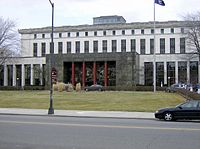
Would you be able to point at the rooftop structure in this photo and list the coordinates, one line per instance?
(108, 20)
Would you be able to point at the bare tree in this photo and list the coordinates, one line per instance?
(193, 23)
(9, 40)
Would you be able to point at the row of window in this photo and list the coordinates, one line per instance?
(113, 46)
(114, 32)
(171, 71)
(37, 71)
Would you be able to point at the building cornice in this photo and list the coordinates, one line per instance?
(78, 28)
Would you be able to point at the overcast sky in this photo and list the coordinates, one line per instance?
(37, 13)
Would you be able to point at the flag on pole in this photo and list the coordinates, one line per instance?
(160, 2)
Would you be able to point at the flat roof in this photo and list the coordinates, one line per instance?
(78, 28)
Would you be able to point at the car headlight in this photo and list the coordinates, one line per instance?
(157, 111)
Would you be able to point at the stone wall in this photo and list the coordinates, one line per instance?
(125, 64)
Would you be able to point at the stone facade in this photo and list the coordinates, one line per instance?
(125, 64)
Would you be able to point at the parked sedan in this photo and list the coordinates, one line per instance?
(94, 87)
(173, 87)
(187, 110)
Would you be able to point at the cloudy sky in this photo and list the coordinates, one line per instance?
(37, 13)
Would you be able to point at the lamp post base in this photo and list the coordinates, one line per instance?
(51, 111)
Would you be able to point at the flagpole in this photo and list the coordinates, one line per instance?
(154, 52)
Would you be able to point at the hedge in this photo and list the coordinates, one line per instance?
(31, 87)
(188, 94)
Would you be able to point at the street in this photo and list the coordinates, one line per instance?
(42, 132)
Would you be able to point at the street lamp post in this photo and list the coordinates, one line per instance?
(51, 110)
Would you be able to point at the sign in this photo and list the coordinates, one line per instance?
(54, 75)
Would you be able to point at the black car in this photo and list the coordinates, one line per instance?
(94, 87)
(187, 110)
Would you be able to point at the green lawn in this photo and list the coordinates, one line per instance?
(108, 101)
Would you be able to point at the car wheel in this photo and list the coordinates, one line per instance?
(168, 116)
(86, 89)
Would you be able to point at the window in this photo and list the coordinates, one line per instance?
(142, 46)
(35, 36)
(86, 33)
(151, 46)
(133, 32)
(172, 45)
(104, 33)
(43, 35)
(148, 73)
(60, 47)
(68, 34)
(192, 104)
(43, 49)
(170, 73)
(10, 75)
(35, 49)
(162, 45)
(182, 30)
(159, 73)
(113, 32)
(194, 72)
(142, 31)
(1, 75)
(95, 46)
(43, 74)
(60, 35)
(77, 34)
(51, 48)
(114, 45)
(36, 74)
(69, 47)
(86, 46)
(104, 46)
(172, 30)
(123, 32)
(162, 31)
(123, 45)
(95, 33)
(182, 71)
(27, 69)
(77, 46)
(133, 45)
(152, 31)
(182, 45)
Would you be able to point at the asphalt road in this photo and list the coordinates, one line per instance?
(44, 132)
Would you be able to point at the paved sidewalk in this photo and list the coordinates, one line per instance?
(76, 113)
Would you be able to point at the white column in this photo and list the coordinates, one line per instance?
(5, 75)
(188, 71)
(165, 72)
(23, 76)
(14, 75)
(41, 76)
(176, 71)
(32, 73)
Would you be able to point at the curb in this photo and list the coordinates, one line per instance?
(79, 114)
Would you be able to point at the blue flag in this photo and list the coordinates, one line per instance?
(160, 2)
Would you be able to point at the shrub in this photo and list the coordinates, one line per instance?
(55, 87)
(61, 86)
(188, 94)
(69, 87)
(34, 87)
(78, 87)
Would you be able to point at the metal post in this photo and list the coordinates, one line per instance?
(154, 53)
(51, 110)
